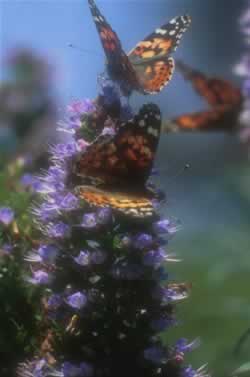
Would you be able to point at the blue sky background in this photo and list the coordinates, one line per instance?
(49, 26)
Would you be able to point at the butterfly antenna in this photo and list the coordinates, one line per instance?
(84, 50)
(179, 173)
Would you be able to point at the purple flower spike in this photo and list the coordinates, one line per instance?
(143, 241)
(55, 174)
(77, 300)
(72, 370)
(83, 259)
(62, 151)
(89, 221)
(59, 230)
(6, 215)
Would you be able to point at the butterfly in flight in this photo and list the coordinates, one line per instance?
(147, 68)
(118, 166)
(224, 100)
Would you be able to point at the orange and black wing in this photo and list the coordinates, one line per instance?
(220, 118)
(118, 64)
(136, 206)
(128, 156)
(150, 57)
(214, 90)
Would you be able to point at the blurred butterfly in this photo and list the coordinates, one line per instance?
(117, 167)
(147, 68)
(223, 98)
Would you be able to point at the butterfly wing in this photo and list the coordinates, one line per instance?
(215, 119)
(150, 58)
(216, 91)
(137, 206)
(161, 43)
(128, 156)
(118, 64)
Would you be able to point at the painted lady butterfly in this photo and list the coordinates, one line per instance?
(120, 165)
(224, 99)
(147, 68)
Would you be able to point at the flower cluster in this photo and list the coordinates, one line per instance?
(108, 295)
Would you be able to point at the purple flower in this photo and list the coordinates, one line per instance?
(183, 346)
(27, 180)
(62, 151)
(143, 241)
(169, 294)
(6, 215)
(190, 372)
(46, 211)
(69, 202)
(55, 301)
(72, 370)
(48, 253)
(48, 187)
(156, 354)
(77, 300)
(40, 277)
(83, 259)
(108, 131)
(89, 220)
(55, 174)
(59, 230)
(154, 257)
(81, 107)
(104, 215)
(165, 227)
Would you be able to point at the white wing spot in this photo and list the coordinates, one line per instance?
(161, 31)
(173, 21)
(153, 131)
(142, 123)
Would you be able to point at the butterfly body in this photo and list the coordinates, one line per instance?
(147, 68)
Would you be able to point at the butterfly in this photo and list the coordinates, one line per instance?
(223, 98)
(118, 166)
(147, 68)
